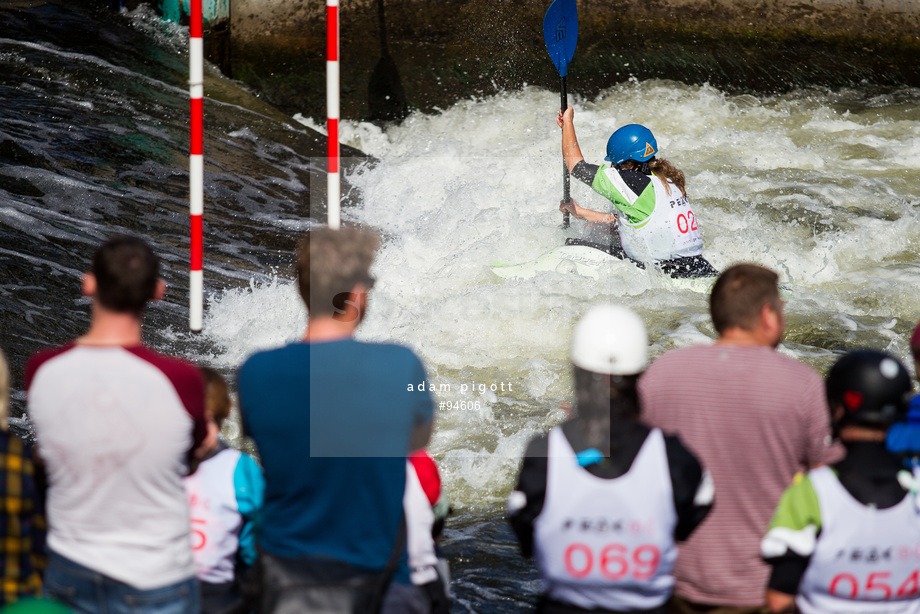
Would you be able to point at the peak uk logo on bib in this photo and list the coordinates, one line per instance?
(649, 150)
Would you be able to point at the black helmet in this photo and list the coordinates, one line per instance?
(872, 386)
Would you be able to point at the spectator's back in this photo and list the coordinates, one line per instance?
(116, 424)
(754, 417)
(333, 419)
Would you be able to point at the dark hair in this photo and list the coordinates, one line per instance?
(739, 295)
(217, 395)
(330, 263)
(126, 272)
(601, 401)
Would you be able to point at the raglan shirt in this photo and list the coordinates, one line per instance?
(116, 427)
(422, 491)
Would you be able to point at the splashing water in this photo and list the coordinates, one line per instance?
(818, 185)
(821, 186)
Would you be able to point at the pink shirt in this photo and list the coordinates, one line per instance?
(753, 417)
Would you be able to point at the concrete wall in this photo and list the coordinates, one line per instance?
(439, 51)
(258, 18)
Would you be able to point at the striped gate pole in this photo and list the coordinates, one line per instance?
(333, 185)
(196, 167)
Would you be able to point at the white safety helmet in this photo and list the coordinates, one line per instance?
(610, 339)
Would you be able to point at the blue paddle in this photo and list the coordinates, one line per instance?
(560, 32)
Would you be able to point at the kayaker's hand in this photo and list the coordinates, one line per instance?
(565, 116)
(570, 207)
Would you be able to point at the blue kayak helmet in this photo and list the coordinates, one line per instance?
(631, 142)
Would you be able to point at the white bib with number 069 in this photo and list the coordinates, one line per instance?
(607, 543)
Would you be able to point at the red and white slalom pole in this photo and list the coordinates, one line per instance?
(333, 181)
(196, 168)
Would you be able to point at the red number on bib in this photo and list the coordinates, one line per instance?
(614, 562)
(872, 583)
(615, 554)
(686, 223)
(845, 577)
(198, 537)
(911, 585)
(646, 559)
(587, 560)
(876, 588)
(682, 224)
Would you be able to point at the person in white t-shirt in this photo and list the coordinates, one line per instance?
(117, 425)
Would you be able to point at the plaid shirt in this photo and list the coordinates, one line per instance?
(22, 521)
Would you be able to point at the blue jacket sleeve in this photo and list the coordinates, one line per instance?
(249, 484)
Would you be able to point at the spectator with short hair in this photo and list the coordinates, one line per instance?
(117, 425)
(334, 420)
(754, 417)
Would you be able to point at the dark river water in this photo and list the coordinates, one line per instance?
(822, 185)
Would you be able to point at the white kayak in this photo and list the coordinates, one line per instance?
(587, 262)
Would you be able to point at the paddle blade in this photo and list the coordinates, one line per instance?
(560, 31)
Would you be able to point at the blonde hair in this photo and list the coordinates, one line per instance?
(4, 393)
(661, 168)
(217, 396)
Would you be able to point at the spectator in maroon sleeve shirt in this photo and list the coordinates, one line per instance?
(117, 424)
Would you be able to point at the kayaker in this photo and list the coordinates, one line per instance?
(655, 220)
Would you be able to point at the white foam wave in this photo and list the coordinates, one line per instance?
(812, 184)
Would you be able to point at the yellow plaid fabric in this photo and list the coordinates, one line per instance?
(22, 521)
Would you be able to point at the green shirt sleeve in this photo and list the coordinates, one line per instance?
(796, 522)
(636, 211)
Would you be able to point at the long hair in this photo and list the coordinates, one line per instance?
(217, 395)
(603, 401)
(662, 168)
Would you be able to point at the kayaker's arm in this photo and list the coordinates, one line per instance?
(588, 215)
(585, 172)
(571, 152)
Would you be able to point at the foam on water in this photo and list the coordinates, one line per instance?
(818, 185)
